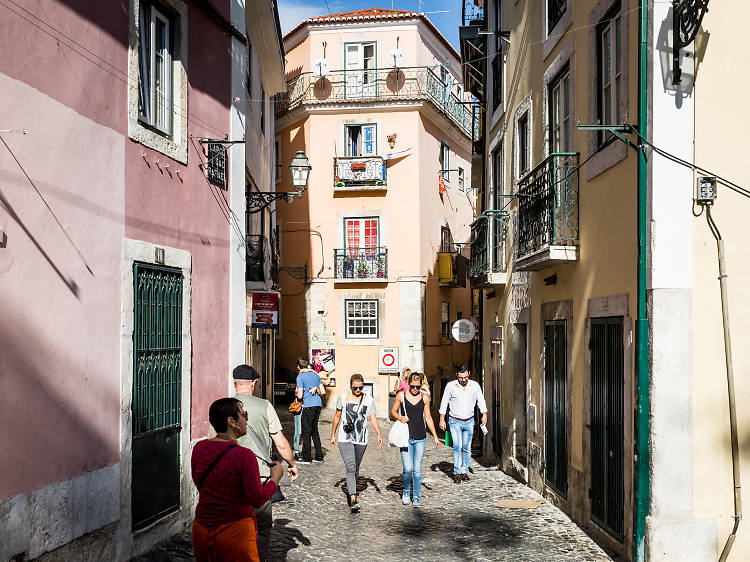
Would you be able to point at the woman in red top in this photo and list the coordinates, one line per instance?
(229, 484)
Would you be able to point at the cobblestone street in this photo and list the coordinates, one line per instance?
(455, 522)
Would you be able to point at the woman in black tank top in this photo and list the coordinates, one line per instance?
(413, 408)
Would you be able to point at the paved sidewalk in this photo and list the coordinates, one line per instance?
(455, 522)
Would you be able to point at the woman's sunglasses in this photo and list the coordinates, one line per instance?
(415, 386)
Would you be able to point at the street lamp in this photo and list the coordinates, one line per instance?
(300, 169)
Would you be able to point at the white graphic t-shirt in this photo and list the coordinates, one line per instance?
(356, 414)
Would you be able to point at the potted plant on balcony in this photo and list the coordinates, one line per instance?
(391, 140)
(380, 263)
(337, 182)
(348, 266)
(362, 270)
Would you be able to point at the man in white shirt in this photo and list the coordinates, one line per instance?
(461, 396)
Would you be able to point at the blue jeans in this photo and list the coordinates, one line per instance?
(297, 430)
(461, 433)
(411, 458)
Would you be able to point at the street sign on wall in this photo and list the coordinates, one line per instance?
(265, 310)
(388, 360)
(463, 330)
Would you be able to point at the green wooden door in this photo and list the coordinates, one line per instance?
(555, 422)
(607, 424)
(157, 369)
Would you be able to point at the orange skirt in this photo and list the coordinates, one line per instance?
(231, 542)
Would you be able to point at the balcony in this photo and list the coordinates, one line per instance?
(377, 85)
(487, 264)
(361, 265)
(359, 173)
(473, 47)
(548, 214)
(255, 262)
(451, 269)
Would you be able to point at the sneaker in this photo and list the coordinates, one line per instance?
(415, 502)
(300, 460)
(465, 477)
(355, 506)
(317, 460)
(405, 499)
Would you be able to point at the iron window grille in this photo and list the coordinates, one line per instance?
(216, 166)
(361, 318)
(555, 11)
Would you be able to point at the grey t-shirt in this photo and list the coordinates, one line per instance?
(357, 414)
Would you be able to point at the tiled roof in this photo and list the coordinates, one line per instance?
(373, 14)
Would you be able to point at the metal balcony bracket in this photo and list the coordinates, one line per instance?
(298, 272)
(616, 130)
(687, 16)
(259, 200)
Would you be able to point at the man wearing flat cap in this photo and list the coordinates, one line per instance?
(264, 423)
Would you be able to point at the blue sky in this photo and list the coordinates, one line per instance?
(291, 12)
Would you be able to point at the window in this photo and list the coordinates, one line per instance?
(362, 318)
(216, 164)
(250, 71)
(361, 140)
(497, 179)
(523, 143)
(445, 161)
(361, 233)
(610, 71)
(461, 179)
(445, 320)
(360, 64)
(559, 118)
(446, 240)
(155, 56)
(555, 11)
(277, 159)
(497, 60)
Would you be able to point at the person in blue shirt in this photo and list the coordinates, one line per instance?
(309, 390)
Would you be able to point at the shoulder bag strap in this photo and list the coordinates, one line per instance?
(213, 464)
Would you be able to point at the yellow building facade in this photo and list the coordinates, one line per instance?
(634, 445)
(375, 102)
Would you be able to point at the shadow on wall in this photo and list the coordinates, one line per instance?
(46, 438)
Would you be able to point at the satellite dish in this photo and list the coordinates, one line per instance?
(321, 67)
(463, 330)
(396, 58)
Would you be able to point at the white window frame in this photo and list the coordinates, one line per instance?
(348, 318)
(165, 123)
(559, 100)
(610, 101)
(362, 229)
(141, 125)
(360, 143)
(445, 161)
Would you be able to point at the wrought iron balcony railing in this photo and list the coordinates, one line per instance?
(548, 205)
(377, 84)
(255, 262)
(361, 263)
(487, 248)
(359, 171)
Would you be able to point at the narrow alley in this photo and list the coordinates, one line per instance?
(455, 522)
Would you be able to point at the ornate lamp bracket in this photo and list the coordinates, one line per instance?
(687, 16)
(298, 272)
(259, 200)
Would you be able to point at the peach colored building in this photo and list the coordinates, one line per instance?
(374, 101)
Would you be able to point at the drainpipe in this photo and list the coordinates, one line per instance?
(642, 461)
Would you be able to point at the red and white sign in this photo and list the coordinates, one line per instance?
(388, 360)
(441, 184)
(265, 310)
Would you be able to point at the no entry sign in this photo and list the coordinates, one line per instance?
(388, 360)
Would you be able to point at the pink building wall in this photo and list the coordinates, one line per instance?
(64, 79)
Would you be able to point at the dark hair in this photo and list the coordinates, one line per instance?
(463, 369)
(222, 409)
(303, 363)
(356, 377)
(419, 377)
